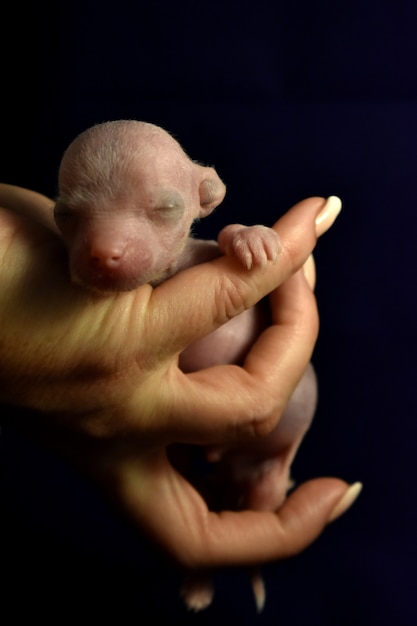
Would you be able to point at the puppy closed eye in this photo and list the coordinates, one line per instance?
(170, 206)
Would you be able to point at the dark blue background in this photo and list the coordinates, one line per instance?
(287, 100)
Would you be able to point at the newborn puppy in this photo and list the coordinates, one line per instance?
(128, 197)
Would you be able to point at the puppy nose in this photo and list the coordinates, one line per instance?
(106, 256)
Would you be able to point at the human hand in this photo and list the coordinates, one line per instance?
(103, 375)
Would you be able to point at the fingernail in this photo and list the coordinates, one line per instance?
(328, 214)
(346, 501)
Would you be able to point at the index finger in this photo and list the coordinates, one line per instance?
(229, 288)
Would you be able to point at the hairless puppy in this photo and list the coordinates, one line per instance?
(128, 197)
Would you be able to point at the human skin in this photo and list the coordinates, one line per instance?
(91, 369)
(128, 197)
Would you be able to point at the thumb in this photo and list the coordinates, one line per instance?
(251, 537)
(166, 506)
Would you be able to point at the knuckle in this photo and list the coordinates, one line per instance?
(264, 424)
(263, 418)
(230, 298)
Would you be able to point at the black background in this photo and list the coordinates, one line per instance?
(286, 100)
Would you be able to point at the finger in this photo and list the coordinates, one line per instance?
(229, 288)
(273, 536)
(176, 517)
(309, 268)
(28, 203)
(238, 403)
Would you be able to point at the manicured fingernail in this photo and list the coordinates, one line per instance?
(346, 501)
(258, 588)
(328, 214)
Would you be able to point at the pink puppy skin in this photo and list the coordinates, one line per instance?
(128, 197)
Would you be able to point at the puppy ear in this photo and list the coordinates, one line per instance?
(211, 190)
